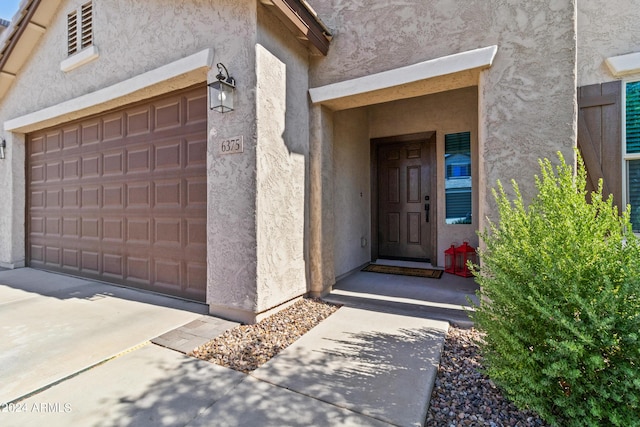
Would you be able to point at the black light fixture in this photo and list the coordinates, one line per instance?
(221, 91)
(3, 145)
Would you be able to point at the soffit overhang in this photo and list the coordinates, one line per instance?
(303, 22)
(21, 37)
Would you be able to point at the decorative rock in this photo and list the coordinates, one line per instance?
(246, 347)
(460, 384)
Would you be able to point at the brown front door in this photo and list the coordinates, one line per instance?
(405, 199)
(122, 197)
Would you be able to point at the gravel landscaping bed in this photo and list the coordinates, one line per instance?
(246, 347)
(462, 396)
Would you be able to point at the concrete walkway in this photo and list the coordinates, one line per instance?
(359, 367)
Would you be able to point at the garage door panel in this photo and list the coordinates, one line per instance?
(70, 138)
(52, 255)
(196, 108)
(196, 153)
(52, 142)
(90, 263)
(113, 196)
(113, 128)
(71, 259)
(90, 132)
(53, 198)
(70, 227)
(138, 270)
(91, 166)
(71, 169)
(138, 231)
(138, 121)
(139, 160)
(123, 197)
(168, 115)
(90, 228)
(54, 171)
(138, 195)
(168, 232)
(168, 157)
(37, 174)
(113, 230)
(52, 226)
(113, 163)
(168, 194)
(36, 199)
(90, 197)
(113, 265)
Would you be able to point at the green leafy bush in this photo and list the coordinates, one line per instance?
(560, 303)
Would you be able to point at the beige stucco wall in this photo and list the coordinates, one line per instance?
(605, 29)
(352, 190)
(526, 99)
(282, 160)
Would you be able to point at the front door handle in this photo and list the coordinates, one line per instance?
(426, 210)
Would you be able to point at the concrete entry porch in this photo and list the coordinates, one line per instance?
(445, 299)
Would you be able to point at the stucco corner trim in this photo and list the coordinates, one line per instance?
(623, 65)
(141, 86)
(464, 61)
(83, 57)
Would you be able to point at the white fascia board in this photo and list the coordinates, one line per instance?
(469, 60)
(109, 94)
(624, 64)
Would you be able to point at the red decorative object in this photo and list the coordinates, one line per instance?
(465, 253)
(450, 260)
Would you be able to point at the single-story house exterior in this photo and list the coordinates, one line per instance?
(114, 165)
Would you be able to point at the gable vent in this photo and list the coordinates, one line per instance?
(87, 25)
(80, 28)
(72, 38)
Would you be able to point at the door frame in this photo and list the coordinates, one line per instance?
(430, 138)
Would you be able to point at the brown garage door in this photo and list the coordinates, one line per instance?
(121, 197)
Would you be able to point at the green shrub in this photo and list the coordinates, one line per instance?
(560, 303)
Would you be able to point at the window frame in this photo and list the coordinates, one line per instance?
(626, 157)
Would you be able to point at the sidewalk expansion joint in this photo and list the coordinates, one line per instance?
(75, 374)
(325, 401)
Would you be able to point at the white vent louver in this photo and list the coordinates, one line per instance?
(80, 32)
(72, 38)
(87, 25)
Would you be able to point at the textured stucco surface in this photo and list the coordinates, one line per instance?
(526, 100)
(282, 153)
(352, 190)
(605, 29)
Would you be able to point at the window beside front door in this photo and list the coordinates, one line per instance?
(457, 159)
(632, 151)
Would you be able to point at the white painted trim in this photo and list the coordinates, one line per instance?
(623, 65)
(83, 57)
(112, 93)
(469, 60)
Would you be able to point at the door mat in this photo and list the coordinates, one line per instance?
(404, 271)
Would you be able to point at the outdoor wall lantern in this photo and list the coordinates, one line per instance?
(222, 90)
(3, 145)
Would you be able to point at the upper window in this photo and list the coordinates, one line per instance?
(80, 29)
(632, 151)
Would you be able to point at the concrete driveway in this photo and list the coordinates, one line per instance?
(54, 326)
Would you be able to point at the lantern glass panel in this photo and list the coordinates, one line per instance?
(221, 96)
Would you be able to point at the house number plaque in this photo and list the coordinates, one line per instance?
(232, 145)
